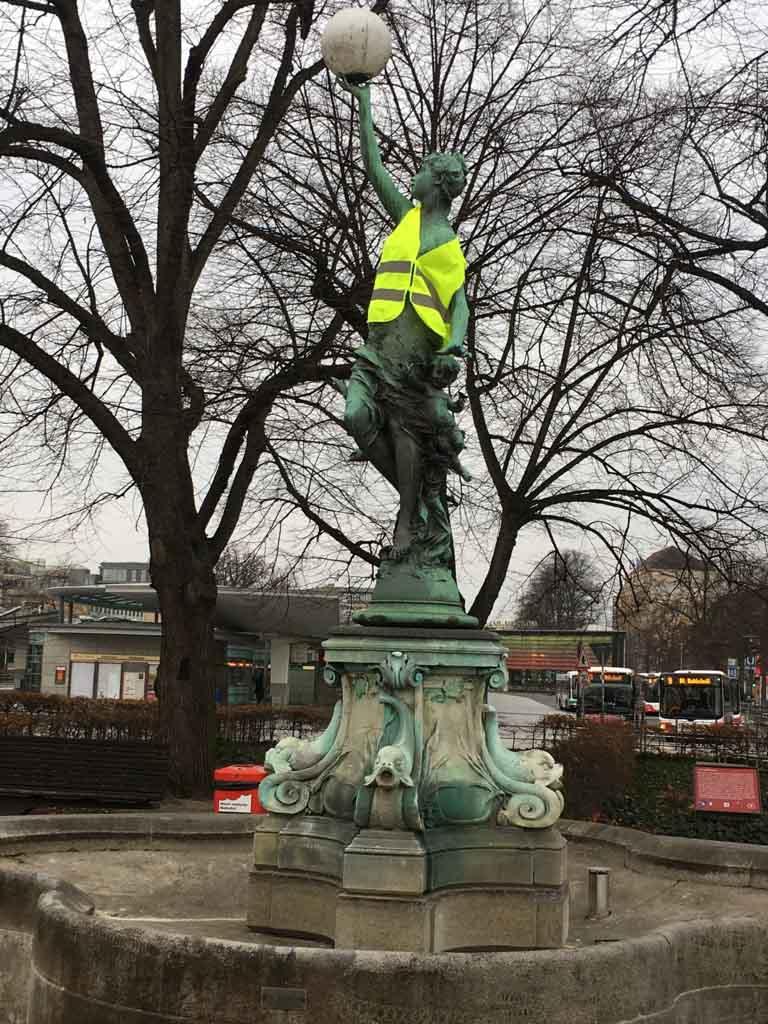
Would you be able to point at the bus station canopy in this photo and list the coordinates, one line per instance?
(544, 650)
(284, 613)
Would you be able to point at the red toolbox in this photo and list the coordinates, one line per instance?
(236, 789)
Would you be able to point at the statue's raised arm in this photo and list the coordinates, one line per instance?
(393, 200)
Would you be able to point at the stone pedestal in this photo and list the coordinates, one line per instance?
(476, 888)
(408, 825)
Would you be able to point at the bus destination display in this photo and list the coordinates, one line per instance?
(728, 789)
(689, 681)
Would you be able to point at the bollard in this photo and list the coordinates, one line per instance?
(598, 893)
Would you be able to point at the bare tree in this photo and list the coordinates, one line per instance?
(111, 118)
(243, 567)
(683, 167)
(563, 592)
(661, 602)
(603, 401)
(6, 542)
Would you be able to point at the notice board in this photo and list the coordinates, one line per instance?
(726, 789)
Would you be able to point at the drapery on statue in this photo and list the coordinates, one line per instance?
(397, 409)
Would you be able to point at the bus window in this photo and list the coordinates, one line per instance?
(692, 702)
(649, 687)
(610, 691)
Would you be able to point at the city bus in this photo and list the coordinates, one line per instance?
(698, 697)
(609, 691)
(648, 691)
(567, 691)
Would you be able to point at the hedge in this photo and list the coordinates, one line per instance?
(42, 714)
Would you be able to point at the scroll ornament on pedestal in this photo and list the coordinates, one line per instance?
(420, 769)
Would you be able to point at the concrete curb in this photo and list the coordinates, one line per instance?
(51, 830)
(738, 864)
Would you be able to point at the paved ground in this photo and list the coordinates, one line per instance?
(200, 889)
(518, 713)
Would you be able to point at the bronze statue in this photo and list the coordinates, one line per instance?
(396, 407)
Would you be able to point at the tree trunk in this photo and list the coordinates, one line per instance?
(186, 680)
(182, 571)
(497, 570)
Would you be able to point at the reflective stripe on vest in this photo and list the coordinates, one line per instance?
(430, 280)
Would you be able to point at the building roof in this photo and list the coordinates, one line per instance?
(127, 627)
(242, 611)
(672, 559)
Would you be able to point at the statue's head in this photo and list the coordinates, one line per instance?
(440, 175)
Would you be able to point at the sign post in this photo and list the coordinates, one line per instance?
(603, 653)
(751, 650)
(582, 665)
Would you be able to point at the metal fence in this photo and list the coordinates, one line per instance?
(746, 744)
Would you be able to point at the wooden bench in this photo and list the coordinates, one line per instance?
(128, 771)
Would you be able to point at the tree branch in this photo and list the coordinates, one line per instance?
(122, 242)
(280, 98)
(30, 5)
(93, 325)
(142, 10)
(332, 531)
(81, 75)
(71, 386)
(237, 69)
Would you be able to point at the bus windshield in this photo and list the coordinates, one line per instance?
(617, 700)
(651, 688)
(684, 700)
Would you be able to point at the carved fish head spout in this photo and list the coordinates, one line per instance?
(390, 769)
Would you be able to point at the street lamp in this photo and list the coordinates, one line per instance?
(356, 44)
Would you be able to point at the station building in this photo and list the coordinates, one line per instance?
(106, 643)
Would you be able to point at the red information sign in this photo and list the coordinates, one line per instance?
(727, 788)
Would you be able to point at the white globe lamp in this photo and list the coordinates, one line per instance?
(356, 44)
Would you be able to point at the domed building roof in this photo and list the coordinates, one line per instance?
(672, 559)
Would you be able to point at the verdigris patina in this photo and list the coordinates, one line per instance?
(397, 407)
(414, 743)
(408, 814)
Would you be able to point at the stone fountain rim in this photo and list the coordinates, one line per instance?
(740, 864)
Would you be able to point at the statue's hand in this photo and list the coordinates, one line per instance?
(453, 348)
(359, 91)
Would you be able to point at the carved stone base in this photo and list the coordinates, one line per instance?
(408, 824)
(408, 596)
(477, 888)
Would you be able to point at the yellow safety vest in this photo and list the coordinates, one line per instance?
(430, 281)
